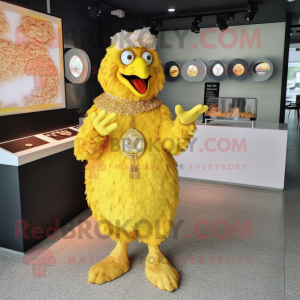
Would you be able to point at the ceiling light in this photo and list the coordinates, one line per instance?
(196, 25)
(222, 22)
(249, 16)
(118, 12)
(171, 9)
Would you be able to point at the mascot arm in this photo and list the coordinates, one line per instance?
(89, 144)
(174, 136)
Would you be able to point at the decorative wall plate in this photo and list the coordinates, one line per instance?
(217, 71)
(172, 71)
(261, 69)
(77, 65)
(194, 71)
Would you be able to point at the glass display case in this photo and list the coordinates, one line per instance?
(242, 109)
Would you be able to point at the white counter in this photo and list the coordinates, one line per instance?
(32, 154)
(235, 153)
(224, 151)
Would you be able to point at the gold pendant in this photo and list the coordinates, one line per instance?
(133, 147)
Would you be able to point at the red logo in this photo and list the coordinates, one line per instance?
(39, 258)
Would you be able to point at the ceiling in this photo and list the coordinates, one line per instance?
(146, 7)
(269, 11)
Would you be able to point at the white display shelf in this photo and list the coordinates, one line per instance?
(32, 154)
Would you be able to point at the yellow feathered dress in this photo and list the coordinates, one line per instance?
(128, 208)
(151, 199)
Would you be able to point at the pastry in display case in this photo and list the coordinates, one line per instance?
(231, 108)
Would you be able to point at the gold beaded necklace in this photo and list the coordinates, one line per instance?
(132, 141)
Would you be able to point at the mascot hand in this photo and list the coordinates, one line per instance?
(100, 121)
(188, 117)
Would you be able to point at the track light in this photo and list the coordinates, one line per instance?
(196, 25)
(154, 29)
(95, 10)
(222, 22)
(249, 16)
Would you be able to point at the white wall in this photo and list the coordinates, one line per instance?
(188, 94)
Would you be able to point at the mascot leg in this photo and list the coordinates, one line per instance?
(113, 266)
(159, 270)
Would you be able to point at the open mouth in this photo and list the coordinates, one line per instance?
(138, 83)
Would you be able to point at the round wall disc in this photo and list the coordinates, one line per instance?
(261, 69)
(172, 71)
(194, 71)
(217, 71)
(77, 66)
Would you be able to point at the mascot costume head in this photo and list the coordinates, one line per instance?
(128, 140)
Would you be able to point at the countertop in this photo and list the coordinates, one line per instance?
(245, 124)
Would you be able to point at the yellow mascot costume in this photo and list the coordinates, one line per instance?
(128, 139)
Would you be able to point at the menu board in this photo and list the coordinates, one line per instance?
(211, 90)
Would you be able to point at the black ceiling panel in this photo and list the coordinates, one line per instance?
(146, 7)
(270, 11)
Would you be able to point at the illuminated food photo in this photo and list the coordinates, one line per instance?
(174, 71)
(76, 66)
(261, 68)
(218, 70)
(192, 71)
(238, 69)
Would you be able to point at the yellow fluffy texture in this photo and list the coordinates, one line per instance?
(113, 197)
(107, 74)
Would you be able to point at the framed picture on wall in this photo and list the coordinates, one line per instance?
(31, 61)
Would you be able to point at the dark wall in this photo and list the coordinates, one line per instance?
(111, 24)
(81, 31)
(33, 4)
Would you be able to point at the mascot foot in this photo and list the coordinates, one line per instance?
(159, 270)
(113, 266)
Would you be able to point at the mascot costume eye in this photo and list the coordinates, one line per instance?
(128, 139)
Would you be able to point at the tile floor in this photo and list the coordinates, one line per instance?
(265, 267)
